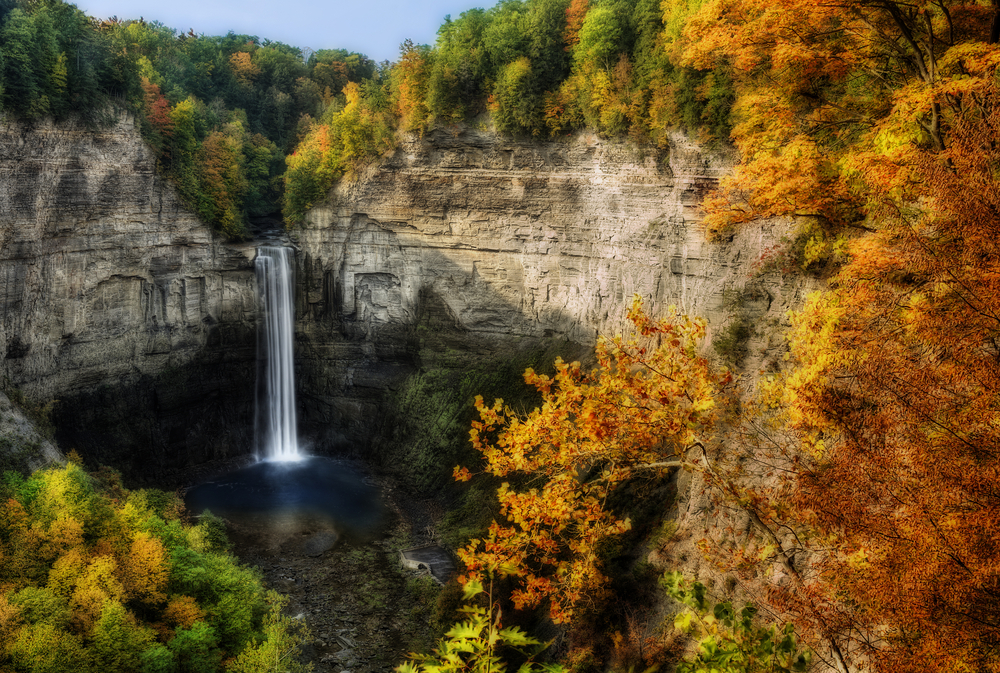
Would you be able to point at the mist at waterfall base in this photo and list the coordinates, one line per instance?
(284, 487)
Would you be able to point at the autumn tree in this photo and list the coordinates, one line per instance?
(575, 14)
(411, 77)
(94, 578)
(819, 84)
(222, 178)
(898, 370)
(648, 405)
(343, 139)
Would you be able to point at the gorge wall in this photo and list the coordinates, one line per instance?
(119, 303)
(463, 242)
(458, 247)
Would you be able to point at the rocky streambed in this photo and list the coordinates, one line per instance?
(364, 611)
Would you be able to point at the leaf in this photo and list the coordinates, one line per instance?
(463, 630)
(471, 589)
(516, 637)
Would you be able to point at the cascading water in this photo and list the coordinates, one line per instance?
(275, 427)
(285, 491)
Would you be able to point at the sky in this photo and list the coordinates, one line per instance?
(372, 27)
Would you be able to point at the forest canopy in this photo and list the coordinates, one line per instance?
(95, 577)
(224, 115)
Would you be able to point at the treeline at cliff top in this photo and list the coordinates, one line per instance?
(246, 126)
(224, 114)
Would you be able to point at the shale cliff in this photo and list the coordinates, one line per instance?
(458, 248)
(462, 241)
(118, 302)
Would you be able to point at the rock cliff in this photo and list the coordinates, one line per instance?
(118, 302)
(458, 247)
(462, 240)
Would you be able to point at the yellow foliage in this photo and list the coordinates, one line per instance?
(145, 572)
(43, 648)
(62, 535)
(67, 571)
(244, 69)
(65, 493)
(97, 584)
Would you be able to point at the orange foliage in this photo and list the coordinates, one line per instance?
(818, 84)
(157, 108)
(912, 490)
(645, 407)
(145, 571)
(575, 14)
(223, 180)
(183, 611)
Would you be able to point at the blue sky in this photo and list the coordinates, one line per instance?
(372, 27)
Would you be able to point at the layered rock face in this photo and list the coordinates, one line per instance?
(458, 247)
(463, 240)
(119, 302)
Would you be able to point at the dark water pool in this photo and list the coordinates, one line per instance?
(315, 487)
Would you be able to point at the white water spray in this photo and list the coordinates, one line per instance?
(275, 427)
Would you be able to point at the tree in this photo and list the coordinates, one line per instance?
(278, 648)
(575, 14)
(47, 649)
(410, 78)
(118, 641)
(196, 649)
(475, 645)
(223, 182)
(646, 407)
(515, 104)
(87, 568)
(145, 571)
(898, 370)
(599, 38)
(819, 84)
(28, 55)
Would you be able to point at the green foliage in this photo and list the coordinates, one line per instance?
(475, 644)
(516, 105)
(43, 648)
(158, 659)
(731, 641)
(600, 38)
(41, 606)
(427, 419)
(196, 649)
(462, 68)
(118, 641)
(89, 569)
(278, 650)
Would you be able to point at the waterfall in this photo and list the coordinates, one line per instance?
(275, 428)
